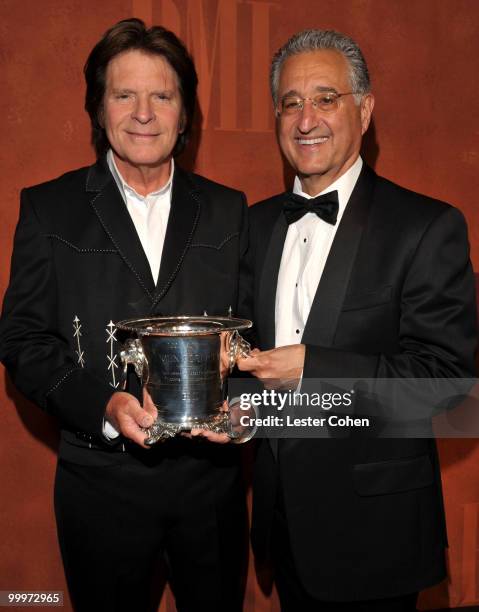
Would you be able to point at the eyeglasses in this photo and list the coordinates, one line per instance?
(325, 102)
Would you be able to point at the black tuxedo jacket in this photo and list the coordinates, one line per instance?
(78, 266)
(396, 300)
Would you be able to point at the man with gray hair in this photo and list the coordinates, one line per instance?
(356, 277)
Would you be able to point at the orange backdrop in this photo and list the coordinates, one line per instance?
(424, 61)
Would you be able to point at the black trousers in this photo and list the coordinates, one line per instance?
(294, 597)
(114, 521)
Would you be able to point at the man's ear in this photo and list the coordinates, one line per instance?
(182, 123)
(367, 105)
(101, 116)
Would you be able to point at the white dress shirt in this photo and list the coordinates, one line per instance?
(150, 216)
(305, 252)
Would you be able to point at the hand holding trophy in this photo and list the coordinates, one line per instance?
(183, 364)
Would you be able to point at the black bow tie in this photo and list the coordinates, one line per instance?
(325, 206)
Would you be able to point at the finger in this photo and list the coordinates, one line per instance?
(140, 416)
(131, 418)
(148, 405)
(117, 405)
(127, 405)
(247, 364)
(217, 438)
(130, 429)
(211, 436)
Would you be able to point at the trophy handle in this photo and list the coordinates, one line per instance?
(132, 354)
(237, 347)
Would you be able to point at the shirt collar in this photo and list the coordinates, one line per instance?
(125, 188)
(344, 185)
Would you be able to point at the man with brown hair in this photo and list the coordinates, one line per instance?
(131, 236)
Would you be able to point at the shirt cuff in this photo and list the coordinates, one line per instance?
(109, 431)
(298, 388)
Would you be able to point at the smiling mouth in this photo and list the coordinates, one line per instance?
(312, 141)
(137, 135)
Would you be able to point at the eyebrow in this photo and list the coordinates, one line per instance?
(116, 90)
(319, 89)
(126, 90)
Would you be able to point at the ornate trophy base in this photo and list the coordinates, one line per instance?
(162, 430)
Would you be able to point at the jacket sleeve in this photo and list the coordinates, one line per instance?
(38, 358)
(437, 328)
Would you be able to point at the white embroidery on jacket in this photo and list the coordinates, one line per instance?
(77, 334)
(112, 364)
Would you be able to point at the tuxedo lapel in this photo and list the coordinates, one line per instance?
(112, 213)
(183, 219)
(266, 307)
(326, 307)
(269, 279)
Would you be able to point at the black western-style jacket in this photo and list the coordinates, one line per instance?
(78, 267)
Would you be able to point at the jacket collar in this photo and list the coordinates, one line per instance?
(326, 307)
(328, 301)
(113, 215)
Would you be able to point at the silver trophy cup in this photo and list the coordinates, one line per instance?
(183, 363)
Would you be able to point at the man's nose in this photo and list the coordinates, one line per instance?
(308, 117)
(143, 110)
